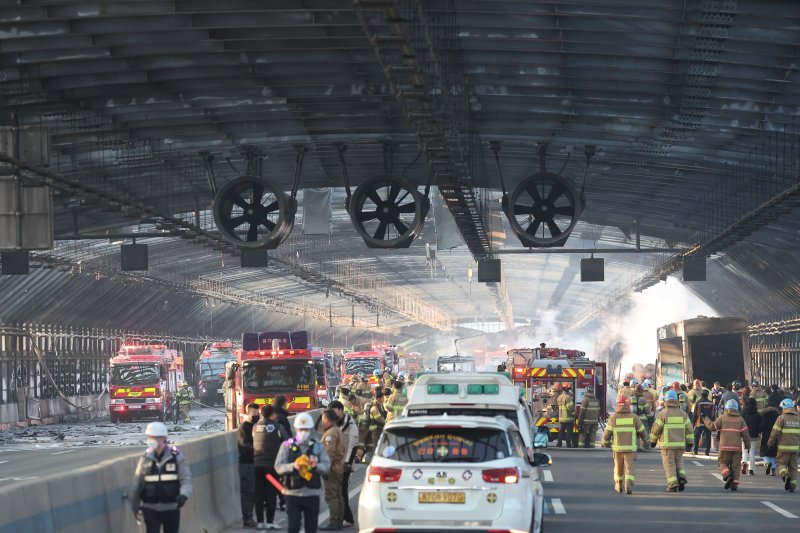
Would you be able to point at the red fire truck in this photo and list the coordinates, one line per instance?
(538, 371)
(363, 362)
(270, 364)
(143, 381)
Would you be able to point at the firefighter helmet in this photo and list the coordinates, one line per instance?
(376, 373)
(156, 429)
(787, 404)
(733, 405)
(623, 401)
(676, 386)
(589, 390)
(639, 388)
(303, 421)
(697, 382)
(671, 395)
(647, 383)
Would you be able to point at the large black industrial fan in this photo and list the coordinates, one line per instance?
(252, 213)
(388, 211)
(543, 210)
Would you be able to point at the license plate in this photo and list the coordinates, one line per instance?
(134, 406)
(219, 391)
(442, 497)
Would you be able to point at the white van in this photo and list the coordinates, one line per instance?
(470, 394)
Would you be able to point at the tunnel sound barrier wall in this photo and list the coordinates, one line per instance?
(91, 499)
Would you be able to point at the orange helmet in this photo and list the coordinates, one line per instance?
(623, 401)
(697, 382)
(676, 386)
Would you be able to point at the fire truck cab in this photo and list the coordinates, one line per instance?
(143, 381)
(539, 371)
(363, 362)
(270, 364)
(210, 371)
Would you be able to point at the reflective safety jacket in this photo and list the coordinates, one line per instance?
(683, 400)
(566, 408)
(786, 432)
(394, 405)
(159, 480)
(672, 428)
(640, 407)
(695, 394)
(732, 431)
(590, 411)
(624, 426)
(761, 398)
(185, 396)
(625, 391)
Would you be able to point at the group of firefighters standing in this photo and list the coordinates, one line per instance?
(678, 419)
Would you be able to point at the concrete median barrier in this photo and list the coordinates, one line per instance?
(92, 498)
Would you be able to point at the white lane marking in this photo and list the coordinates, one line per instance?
(3, 462)
(718, 476)
(778, 510)
(558, 507)
(65, 451)
(548, 475)
(697, 463)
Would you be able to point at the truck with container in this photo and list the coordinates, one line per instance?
(709, 349)
(143, 382)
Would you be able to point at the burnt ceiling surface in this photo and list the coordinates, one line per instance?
(689, 108)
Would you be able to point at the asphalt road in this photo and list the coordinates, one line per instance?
(580, 496)
(22, 464)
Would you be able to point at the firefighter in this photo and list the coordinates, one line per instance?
(387, 379)
(566, 416)
(641, 408)
(626, 389)
(683, 398)
(732, 434)
(651, 395)
(674, 431)
(696, 394)
(396, 401)
(702, 409)
(162, 483)
(185, 399)
(624, 426)
(363, 389)
(588, 419)
(376, 419)
(786, 437)
(760, 396)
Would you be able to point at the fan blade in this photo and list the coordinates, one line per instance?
(523, 209)
(394, 190)
(238, 200)
(380, 233)
(364, 216)
(375, 197)
(405, 195)
(533, 228)
(553, 227)
(400, 227)
(252, 233)
(565, 210)
(235, 222)
(258, 192)
(270, 225)
(533, 190)
(408, 208)
(555, 193)
(270, 207)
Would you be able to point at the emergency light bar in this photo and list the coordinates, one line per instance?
(274, 353)
(472, 388)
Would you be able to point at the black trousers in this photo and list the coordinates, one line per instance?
(265, 493)
(153, 520)
(305, 509)
(698, 432)
(565, 433)
(348, 513)
(246, 490)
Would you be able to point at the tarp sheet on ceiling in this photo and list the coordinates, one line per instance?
(447, 233)
(316, 212)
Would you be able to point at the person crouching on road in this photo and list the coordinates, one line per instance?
(302, 462)
(162, 482)
(785, 436)
(624, 426)
(334, 442)
(733, 434)
(674, 430)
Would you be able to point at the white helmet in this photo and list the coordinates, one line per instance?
(156, 429)
(303, 421)
(646, 383)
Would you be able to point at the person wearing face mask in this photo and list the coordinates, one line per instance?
(302, 461)
(162, 482)
(244, 440)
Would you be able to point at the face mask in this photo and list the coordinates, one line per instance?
(255, 419)
(302, 435)
(152, 444)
